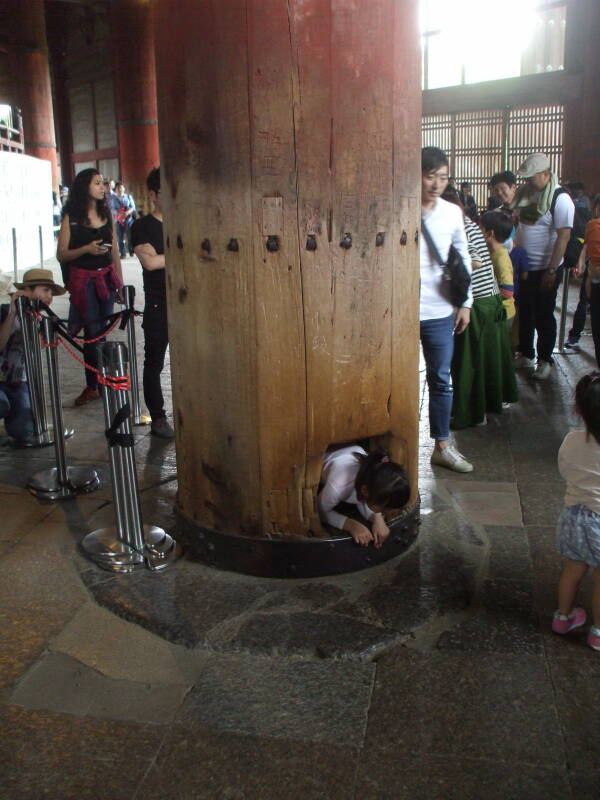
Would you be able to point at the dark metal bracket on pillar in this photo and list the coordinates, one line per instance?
(293, 557)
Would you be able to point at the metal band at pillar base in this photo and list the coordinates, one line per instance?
(293, 557)
(44, 439)
(108, 551)
(46, 484)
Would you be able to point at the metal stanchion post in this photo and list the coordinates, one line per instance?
(129, 545)
(15, 259)
(129, 299)
(43, 434)
(41, 240)
(60, 482)
(563, 312)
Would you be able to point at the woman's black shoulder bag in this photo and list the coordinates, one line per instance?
(456, 278)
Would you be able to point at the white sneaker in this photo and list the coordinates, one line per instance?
(522, 362)
(450, 458)
(542, 371)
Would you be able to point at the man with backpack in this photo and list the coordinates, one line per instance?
(546, 218)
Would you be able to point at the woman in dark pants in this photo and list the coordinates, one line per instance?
(87, 246)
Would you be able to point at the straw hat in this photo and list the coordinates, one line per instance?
(37, 276)
(7, 287)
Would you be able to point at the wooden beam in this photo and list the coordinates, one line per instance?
(95, 155)
(547, 89)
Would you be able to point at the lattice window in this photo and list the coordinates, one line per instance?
(480, 143)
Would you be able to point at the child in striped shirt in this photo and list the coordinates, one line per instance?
(497, 228)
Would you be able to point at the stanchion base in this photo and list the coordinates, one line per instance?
(106, 549)
(44, 439)
(46, 486)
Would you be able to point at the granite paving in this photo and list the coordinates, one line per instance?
(434, 675)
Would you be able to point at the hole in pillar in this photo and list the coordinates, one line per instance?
(391, 483)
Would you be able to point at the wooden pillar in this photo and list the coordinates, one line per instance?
(290, 153)
(31, 76)
(132, 44)
(582, 114)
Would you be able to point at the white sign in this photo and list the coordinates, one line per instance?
(25, 204)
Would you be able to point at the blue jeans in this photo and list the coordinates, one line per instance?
(437, 339)
(15, 409)
(93, 322)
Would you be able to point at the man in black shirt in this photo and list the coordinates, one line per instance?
(147, 243)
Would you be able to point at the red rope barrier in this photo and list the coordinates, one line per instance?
(120, 383)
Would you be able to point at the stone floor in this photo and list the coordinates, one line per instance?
(433, 676)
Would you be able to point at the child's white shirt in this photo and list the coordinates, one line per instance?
(579, 464)
(340, 468)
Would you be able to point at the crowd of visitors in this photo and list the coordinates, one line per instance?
(483, 278)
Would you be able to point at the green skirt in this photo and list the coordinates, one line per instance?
(483, 372)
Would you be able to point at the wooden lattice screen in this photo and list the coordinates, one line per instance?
(480, 143)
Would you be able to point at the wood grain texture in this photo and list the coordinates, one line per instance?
(298, 121)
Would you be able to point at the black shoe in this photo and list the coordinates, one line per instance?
(160, 427)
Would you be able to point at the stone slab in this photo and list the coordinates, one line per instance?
(34, 576)
(134, 653)
(504, 622)
(460, 705)
(576, 683)
(490, 507)
(218, 766)
(182, 604)
(61, 684)
(541, 502)
(509, 553)
(25, 635)
(68, 758)
(281, 699)
(405, 777)
(306, 635)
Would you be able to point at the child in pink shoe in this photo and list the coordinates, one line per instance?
(579, 523)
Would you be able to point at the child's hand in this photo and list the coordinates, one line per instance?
(380, 530)
(359, 532)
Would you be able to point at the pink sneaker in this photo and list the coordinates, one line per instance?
(575, 620)
(593, 638)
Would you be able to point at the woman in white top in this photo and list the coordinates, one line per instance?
(578, 536)
(369, 482)
(439, 320)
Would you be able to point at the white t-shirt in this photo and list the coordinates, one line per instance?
(579, 464)
(538, 239)
(446, 225)
(340, 468)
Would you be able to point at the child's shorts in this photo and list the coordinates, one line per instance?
(578, 535)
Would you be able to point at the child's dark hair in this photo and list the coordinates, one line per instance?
(507, 177)
(432, 159)
(587, 403)
(385, 481)
(499, 223)
(153, 180)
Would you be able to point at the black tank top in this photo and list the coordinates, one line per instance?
(82, 235)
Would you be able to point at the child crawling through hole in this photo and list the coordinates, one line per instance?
(356, 487)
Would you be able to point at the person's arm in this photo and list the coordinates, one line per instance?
(562, 220)
(8, 324)
(580, 266)
(64, 255)
(116, 260)
(148, 256)
(505, 275)
(558, 252)
(459, 240)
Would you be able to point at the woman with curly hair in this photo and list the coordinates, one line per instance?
(89, 254)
